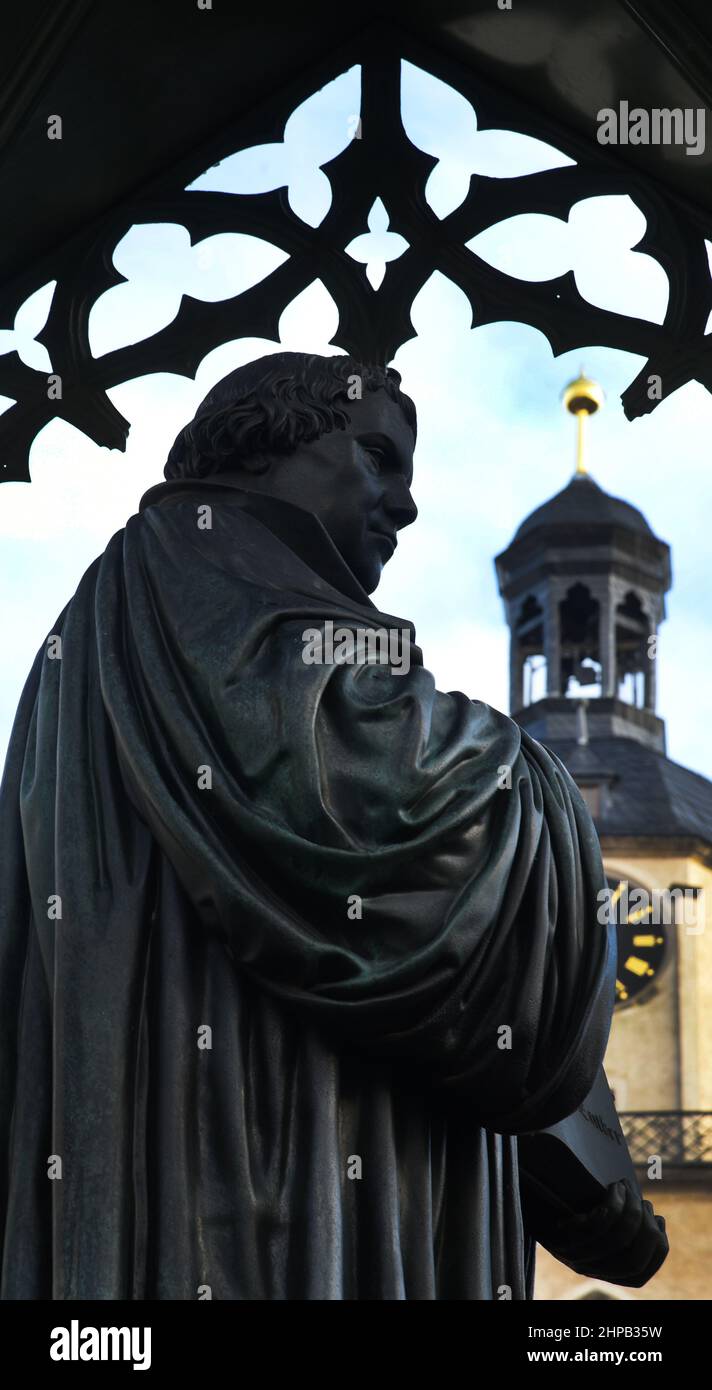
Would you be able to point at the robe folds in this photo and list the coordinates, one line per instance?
(289, 952)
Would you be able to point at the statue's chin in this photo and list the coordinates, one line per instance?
(371, 578)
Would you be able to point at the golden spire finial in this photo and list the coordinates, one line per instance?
(582, 397)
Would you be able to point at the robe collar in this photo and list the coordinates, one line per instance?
(298, 529)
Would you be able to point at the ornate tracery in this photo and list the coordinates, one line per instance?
(379, 162)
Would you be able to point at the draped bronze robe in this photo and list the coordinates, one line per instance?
(252, 1093)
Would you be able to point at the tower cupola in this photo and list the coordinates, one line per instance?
(584, 582)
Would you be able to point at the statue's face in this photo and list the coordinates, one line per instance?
(356, 481)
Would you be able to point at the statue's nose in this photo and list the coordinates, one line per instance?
(399, 503)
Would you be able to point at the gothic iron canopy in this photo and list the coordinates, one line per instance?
(74, 243)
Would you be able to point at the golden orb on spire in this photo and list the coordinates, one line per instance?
(581, 398)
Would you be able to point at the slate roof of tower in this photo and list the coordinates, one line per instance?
(583, 502)
(650, 796)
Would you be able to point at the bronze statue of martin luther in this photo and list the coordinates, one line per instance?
(285, 968)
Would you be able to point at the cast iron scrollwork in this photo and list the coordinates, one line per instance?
(381, 163)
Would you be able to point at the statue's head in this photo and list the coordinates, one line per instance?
(330, 434)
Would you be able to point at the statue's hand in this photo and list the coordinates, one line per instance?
(620, 1240)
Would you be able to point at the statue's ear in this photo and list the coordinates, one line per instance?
(183, 458)
(198, 459)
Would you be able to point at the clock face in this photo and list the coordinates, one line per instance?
(642, 945)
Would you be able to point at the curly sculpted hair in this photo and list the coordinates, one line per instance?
(273, 405)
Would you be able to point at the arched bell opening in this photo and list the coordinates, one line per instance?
(579, 625)
(634, 666)
(529, 639)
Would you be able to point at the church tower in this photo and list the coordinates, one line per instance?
(583, 582)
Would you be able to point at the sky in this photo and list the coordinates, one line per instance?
(493, 439)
